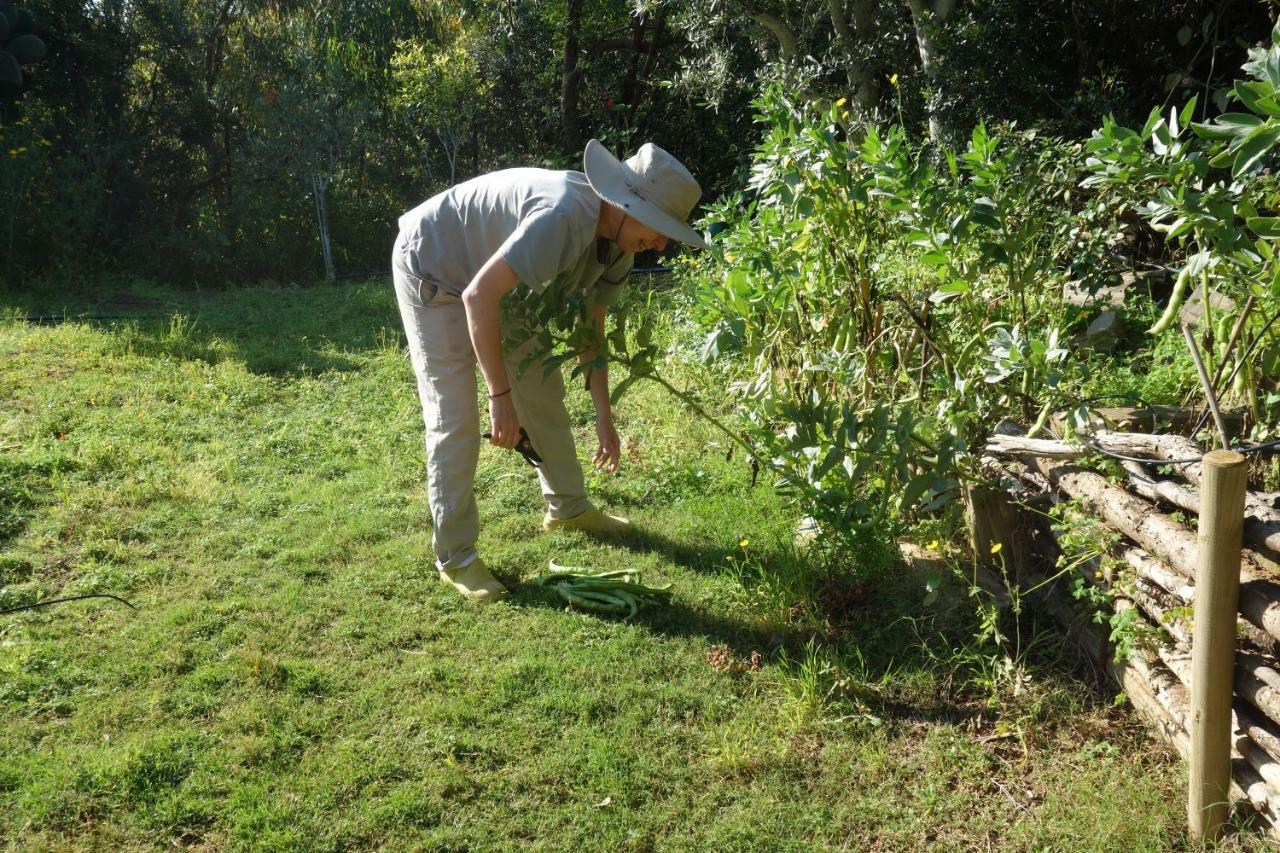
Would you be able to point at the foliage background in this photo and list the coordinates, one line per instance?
(185, 141)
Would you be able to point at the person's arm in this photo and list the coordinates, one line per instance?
(609, 452)
(482, 301)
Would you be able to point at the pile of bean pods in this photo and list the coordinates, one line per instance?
(618, 592)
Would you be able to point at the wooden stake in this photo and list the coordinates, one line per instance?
(1217, 589)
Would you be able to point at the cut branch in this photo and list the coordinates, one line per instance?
(1160, 535)
(1262, 517)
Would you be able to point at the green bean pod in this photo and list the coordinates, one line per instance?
(585, 603)
(1175, 302)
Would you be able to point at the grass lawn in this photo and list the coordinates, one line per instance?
(246, 467)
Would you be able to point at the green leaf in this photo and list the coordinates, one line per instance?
(1246, 96)
(621, 388)
(950, 290)
(1264, 98)
(1152, 119)
(1184, 36)
(1211, 131)
(1198, 263)
(914, 490)
(1188, 111)
(644, 335)
(1239, 123)
(1257, 146)
(1223, 158)
(1265, 226)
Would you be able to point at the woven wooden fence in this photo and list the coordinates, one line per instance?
(1160, 553)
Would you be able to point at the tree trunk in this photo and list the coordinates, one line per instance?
(571, 79)
(319, 185)
(787, 45)
(861, 77)
(924, 19)
(631, 83)
(216, 165)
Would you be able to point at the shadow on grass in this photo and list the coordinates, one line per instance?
(671, 619)
(283, 331)
(790, 649)
(646, 540)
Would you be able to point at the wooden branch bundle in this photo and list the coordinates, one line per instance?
(1262, 510)
(1162, 699)
(1158, 683)
(1140, 521)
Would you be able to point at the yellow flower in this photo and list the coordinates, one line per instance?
(995, 549)
(841, 102)
(744, 543)
(893, 81)
(933, 546)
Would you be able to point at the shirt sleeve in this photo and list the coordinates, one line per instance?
(541, 247)
(614, 280)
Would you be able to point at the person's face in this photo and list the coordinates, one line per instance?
(636, 237)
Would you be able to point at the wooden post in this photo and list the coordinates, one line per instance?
(1213, 644)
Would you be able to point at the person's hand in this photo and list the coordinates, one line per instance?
(506, 426)
(610, 449)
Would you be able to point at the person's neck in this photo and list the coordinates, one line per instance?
(608, 224)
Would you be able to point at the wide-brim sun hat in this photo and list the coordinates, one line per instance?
(650, 186)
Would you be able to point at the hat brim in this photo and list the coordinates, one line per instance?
(607, 178)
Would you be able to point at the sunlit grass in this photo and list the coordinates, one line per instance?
(248, 472)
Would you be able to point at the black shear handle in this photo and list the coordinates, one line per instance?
(524, 446)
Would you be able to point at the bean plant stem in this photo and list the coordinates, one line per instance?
(701, 412)
(1244, 359)
(1208, 387)
(1234, 337)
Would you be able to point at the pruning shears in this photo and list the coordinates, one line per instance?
(524, 446)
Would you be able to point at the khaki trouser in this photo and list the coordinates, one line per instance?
(445, 365)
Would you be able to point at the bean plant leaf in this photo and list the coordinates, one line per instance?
(1184, 117)
(1265, 226)
(621, 388)
(915, 490)
(1264, 98)
(1228, 126)
(1256, 147)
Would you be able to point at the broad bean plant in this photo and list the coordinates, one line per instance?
(1207, 187)
(888, 303)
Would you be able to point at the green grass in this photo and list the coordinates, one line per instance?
(247, 469)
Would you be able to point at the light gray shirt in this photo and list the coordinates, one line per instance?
(542, 222)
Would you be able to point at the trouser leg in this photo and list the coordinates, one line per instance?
(445, 366)
(539, 402)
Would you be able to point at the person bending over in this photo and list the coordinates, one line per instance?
(456, 256)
